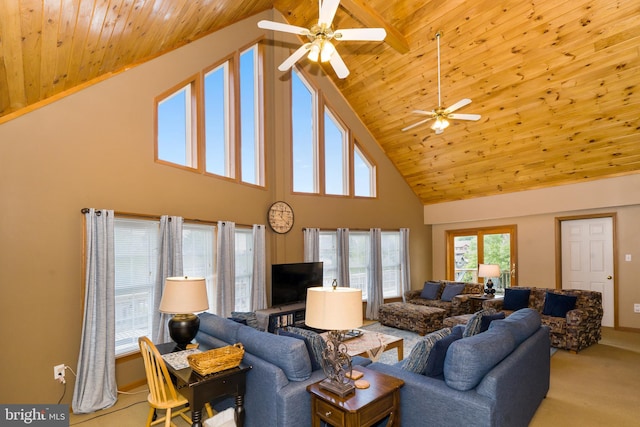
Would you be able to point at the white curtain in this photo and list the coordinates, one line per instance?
(342, 249)
(405, 270)
(95, 386)
(311, 244)
(169, 265)
(226, 262)
(258, 281)
(374, 285)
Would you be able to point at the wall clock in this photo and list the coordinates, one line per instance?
(280, 217)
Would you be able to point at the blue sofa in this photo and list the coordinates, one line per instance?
(276, 393)
(495, 378)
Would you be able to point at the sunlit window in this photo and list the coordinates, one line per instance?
(219, 152)
(304, 147)
(336, 156)
(176, 141)
(364, 174)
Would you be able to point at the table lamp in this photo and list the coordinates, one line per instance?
(338, 310)
(488, 271)
(183, 296)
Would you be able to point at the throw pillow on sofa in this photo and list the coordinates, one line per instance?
(316, 344)
(430, 290)
(249, 317)
(488, 318)
(435, 361)
(315, 363)
(557, 305)
(475, 322)
(451, 290)
(515, 299)
(417, 360)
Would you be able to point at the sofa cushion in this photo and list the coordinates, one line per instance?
(451, 290)
(430, 290)
(286, 353)
(475, 322)
(435, 361)
(417, 360)
(488, 318)
(468, 360)
(316, 344)
(515, 299)
(557, 305)
(219, 327)
(522, 324)
(249, 317)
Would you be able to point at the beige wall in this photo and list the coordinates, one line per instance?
(535, 212)
(95, 149)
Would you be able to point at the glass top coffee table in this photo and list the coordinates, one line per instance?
(372, 344)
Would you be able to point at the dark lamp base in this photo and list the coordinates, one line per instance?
(341, 389)
(183, 329)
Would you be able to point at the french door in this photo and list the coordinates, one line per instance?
(488, 245)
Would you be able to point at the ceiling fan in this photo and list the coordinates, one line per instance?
(440, 114)
(321, 35)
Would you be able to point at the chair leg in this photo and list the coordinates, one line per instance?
(209, 410)
(152, 416)
(167, 421)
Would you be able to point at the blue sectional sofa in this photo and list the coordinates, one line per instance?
(495, 378)
(276, 393)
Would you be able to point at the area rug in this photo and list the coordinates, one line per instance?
(409, 339)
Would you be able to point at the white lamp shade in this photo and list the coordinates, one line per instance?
(184, 295)
(335, 309)
(488, 270)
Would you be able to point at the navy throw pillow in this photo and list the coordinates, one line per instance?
(486, 320)
(239, 320)
(557, 305)
(435, 361)
(451, 290)
(315, 365)
(515, 299)
(430, 290)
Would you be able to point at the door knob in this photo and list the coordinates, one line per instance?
(609, 277)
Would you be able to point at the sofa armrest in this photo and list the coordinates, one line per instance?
(495, 303)
(461, 304)
(578, 317)
(409, 295)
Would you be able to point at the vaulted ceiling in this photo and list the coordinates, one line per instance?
(557, 82)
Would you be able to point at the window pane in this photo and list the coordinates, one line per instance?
(466, 258)
(497, 250)
(359, 261)
(198, 255)
(303, 131)
(390, 242)
(216, 116)
(136, 259)
(328, 256)
(363, 175)
(335, 150)
(249, 138)
(244, 268)
(174, 129)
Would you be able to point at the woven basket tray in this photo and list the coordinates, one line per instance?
(216, 360)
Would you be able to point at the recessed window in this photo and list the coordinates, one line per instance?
(250, 145)
(304, 146)
(176, 141)
(336, 156)
(364, 174)
(217, 125)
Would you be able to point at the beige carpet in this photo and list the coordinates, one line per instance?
(600, 386)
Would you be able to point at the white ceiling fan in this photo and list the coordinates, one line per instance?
(321, 35)
(440, 114)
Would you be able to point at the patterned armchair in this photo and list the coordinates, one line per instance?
(580, 328)
(460, 304)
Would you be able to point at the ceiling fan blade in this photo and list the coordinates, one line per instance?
(360, 34)
(473, 117)
(327, 12)
(295, 57)
(278, 26)
(458, 105)
(424, 113)
(338, 65)
(416, 124)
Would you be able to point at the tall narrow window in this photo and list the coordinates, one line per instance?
(364, 174)
(336, 157)
(329, 256)
(176, 140)
(250, 146)
(244, 268)
(359, 257)
(198, 255)
(304, 150)
(390, 242)
(219, 155)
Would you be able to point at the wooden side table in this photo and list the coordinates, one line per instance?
(477, 300)
(362, 408)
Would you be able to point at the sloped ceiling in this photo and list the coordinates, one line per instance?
(557, 82)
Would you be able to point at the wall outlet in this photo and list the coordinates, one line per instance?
(636, 308)
(58, 373)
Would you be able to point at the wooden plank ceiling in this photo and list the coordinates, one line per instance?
(557, 82)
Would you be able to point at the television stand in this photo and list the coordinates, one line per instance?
(270, 319)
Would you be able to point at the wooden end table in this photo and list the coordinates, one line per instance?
(477, 300)
(362, 408)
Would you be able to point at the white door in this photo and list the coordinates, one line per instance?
(587, 259)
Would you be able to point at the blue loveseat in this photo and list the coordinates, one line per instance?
(495, 378)
(276, 394)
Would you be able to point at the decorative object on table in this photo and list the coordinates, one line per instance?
(488, 271)
(183, 296)
(338, 310)
(216, 360)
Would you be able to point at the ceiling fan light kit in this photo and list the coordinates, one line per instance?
(441, 114)
(320, 48)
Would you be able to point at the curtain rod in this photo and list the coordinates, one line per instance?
(150, 216)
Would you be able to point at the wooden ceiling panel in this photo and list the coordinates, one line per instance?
(557, 82)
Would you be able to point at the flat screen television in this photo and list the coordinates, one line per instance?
(289, 282)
